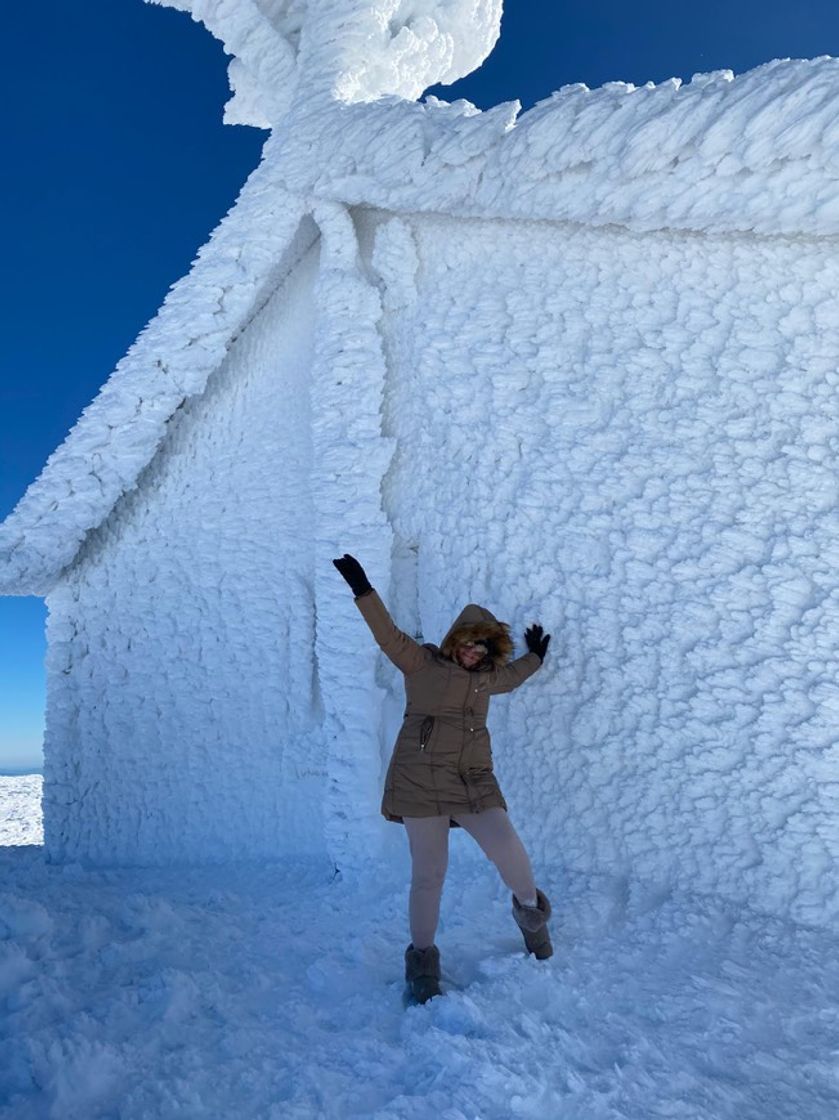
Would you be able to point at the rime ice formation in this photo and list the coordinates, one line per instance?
(118, 433)
(579, 364)
(633, 437)
(350, 50)
(757, 153)
(181, 642)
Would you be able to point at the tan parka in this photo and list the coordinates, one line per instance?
(442, 762)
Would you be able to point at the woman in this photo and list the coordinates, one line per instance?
(440, 774)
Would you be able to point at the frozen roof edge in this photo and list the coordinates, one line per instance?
(117, 435)
(721, 154)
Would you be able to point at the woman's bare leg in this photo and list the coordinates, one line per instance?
(494, 832)
(428, 838)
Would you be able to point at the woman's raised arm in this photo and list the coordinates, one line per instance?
(406, 654)
(511, 676)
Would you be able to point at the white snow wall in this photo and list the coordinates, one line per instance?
(183, 717)
(633, 438)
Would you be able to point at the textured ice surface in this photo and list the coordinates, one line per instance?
(755, 154)
(352, 50)
(628, 436)
(118, 434)
(632, 438)
(752, 153)
(350, 456)
(182, 688)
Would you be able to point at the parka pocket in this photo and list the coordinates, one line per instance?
(425, 731)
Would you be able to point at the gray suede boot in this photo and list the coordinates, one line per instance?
(533, 923)
(422, 972)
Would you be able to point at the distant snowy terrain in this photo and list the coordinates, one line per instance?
(20, 810)
(273, 992)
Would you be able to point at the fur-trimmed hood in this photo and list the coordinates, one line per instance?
(477, 624)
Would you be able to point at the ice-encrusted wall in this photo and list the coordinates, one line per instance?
(624, 427)
(634, 438)
(628, 436)
(183, 714)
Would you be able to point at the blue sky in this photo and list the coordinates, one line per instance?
(118, 167)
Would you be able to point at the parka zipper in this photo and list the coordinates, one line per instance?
(425, 731)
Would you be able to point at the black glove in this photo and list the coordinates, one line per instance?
(537, 642)
(354, 574)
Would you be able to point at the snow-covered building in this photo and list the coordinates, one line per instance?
(579, 363)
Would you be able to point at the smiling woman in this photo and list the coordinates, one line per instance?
(441, 775)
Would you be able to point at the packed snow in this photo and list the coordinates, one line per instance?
(276, 991)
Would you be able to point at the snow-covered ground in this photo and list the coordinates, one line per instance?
(274, 992)
(21, 820)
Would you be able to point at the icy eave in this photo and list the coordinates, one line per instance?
(118, 434)
(757, 153)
